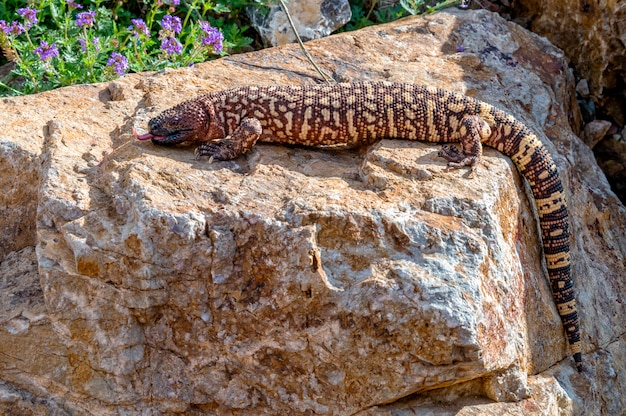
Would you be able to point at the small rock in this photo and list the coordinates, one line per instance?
(507, 386)
(312, 19)
(595, 131)
(582, 88)
(116, 90)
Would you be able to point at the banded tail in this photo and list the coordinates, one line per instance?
(536, 165)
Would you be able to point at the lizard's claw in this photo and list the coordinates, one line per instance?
(198, 154)
(450, 153)
(222, 150)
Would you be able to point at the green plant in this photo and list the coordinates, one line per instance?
(367, 13)
(54, 43)
(423, 6)
(61, 42)
(364, 13)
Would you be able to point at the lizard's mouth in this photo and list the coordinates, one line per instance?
(171, 138)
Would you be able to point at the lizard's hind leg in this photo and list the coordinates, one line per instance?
(472, 130)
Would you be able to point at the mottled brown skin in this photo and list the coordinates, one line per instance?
(229, 123)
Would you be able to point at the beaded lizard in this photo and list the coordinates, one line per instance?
(230, 122)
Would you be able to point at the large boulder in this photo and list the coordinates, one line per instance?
(298, 280)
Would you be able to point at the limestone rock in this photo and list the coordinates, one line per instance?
(294, 280)
(33, 354)
(313, 19)
(17, 210)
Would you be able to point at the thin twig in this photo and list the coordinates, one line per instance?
(324, 75)
(3, 85)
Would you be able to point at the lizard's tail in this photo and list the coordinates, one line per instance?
(535, 163)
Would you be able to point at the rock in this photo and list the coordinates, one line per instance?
(300, 280)
(548, 398)
(582, 88)
(595, 131)
(598, 29)
(312, 19)
(611, 156)
(17, 210)
(33, 353)
(587, 110)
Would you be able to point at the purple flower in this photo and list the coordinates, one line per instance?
(73, 5)
(29, 15)
(17, 28)
(46, 52)
(464, 4)
(95, 42)
(119, 63)
(139, 28)
(171, 46)
(213, 37)
(85, 19)
(172, 2)
(14, 28)
(171, 23)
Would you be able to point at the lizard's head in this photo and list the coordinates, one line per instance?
(188, 121)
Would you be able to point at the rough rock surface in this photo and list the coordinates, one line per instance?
(611, 155)
(313, 19)
(593, 36)
(296, 280)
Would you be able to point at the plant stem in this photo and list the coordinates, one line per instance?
(28, 71)
(324, 75)
(192, 7)
(2, 84)
(369, 12)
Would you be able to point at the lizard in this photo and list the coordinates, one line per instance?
(228, 123)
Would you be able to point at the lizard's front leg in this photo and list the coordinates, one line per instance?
(472, 130)
(234, 145)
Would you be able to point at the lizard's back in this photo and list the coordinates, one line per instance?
(324, 115)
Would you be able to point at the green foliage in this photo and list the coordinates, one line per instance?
(364, 13)
(55, 43)
(367, 13)
(422, 6)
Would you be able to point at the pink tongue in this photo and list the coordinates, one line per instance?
(146, 136)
